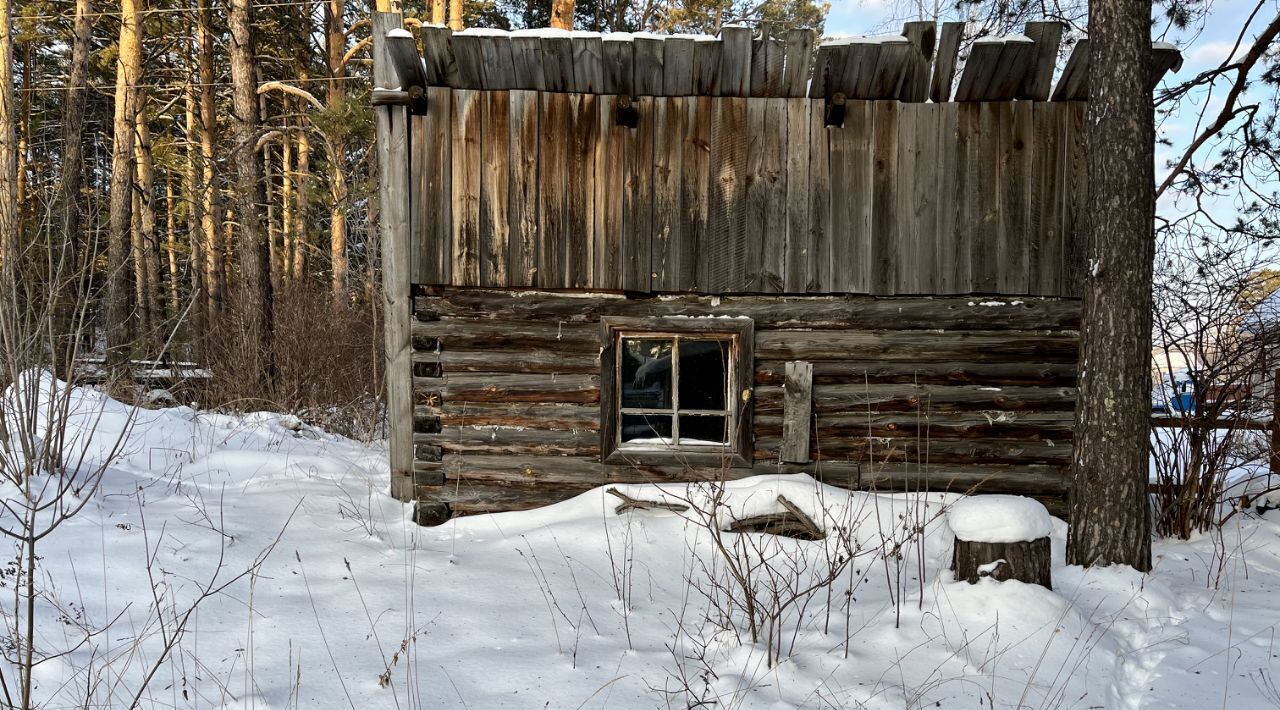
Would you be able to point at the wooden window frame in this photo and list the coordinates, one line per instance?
(741, 334)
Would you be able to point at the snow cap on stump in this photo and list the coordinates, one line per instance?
(999, 518)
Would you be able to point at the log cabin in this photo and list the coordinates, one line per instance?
(637, 258)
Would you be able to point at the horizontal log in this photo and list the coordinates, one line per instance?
(502, 361)
(935, 427)
(536, 470)
(926, 346)
(571, 417)
(939, 451)
(564, 389)
(510, 335)
(501, 440)
(771, 372)
(814, 312)
(863, 399)
(477, 483)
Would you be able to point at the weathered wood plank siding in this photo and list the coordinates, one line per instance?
(938, 393)
(736, 195)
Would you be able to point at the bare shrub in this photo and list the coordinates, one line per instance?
(327, 361)
(1206, 326)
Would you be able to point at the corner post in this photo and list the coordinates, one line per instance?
(393, 195)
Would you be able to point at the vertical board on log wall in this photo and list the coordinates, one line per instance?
(746, 195)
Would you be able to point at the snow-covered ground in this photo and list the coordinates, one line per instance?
(574, 606)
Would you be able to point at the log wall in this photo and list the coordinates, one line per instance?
(907, 393)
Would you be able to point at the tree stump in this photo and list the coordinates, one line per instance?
(1001, 561)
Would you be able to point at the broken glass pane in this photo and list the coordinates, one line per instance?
(646, 429)
(704, 373)
(703, 430)
(646, 373)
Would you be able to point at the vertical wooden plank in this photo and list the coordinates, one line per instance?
(580, 190)
(821, 78)
(851, 190)
(437, 53)
(677, 66)
(1075, 221)
(909, 200)
(617, 68)
(469, 57)
(432, 173)
(891, 69)
(466, 160)
(722, 261)
(735, 61)
(1073, 83)
(952, 256)
(982, 196)
(557, 63)
(944, 65)
(647, 58)
(706, 65)
(1016, 186)
(767, 57)
(393, 162)
(927, 187)
(695, 161)
(670, 114)
(553, 162)
(923, 38)
(523, 186)
(588, 64)
(606, 268)
(884, 200)
(499, 67)
(801, 258)
(766, 194)
(797, 56)
(495, 227)
(860, 67)
(637, 202)
(820, 227)
(797, 411)
(1045, 251)
(526, 59)
(1048, 37)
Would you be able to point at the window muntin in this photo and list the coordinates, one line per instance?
(676, 391)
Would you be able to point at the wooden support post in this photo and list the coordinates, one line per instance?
(393, 165)
(797, 411)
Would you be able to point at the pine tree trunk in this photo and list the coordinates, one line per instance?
(8, 157)
(120, 208)
(193, 196)
(148, 258)
(300, 213)
(72, 169)
(455, 15)
(1110, 516)
(335, 46)
(287, 220)
(214, 269)
(255, 277)
(437, 12)
(562, 14)
(171, 240)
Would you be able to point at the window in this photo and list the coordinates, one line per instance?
(676, 390)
